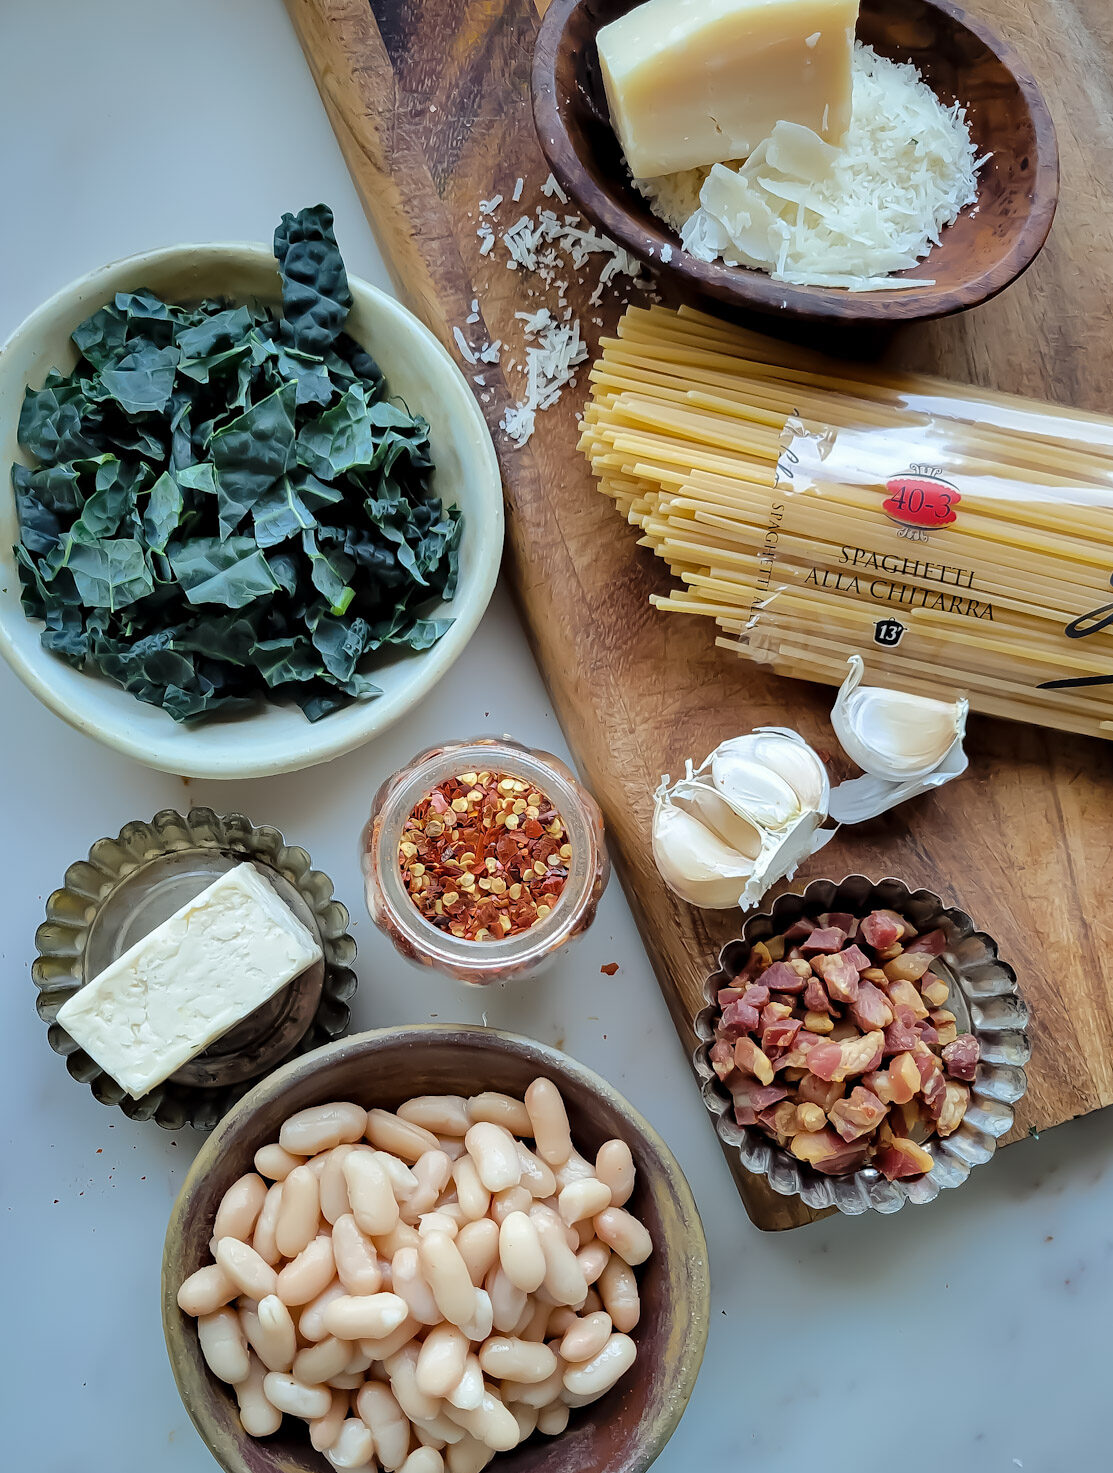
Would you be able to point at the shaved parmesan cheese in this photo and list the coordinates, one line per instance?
(847, 216)
(462, 343)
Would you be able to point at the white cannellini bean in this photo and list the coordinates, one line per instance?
(400, 1236)
(495, 1153)
(257, 1417)
(510, 1199)
(408, 1281)
(586, 1338)
(291, 1395)
(574, 1169)
(441, 1360)
(442, 1114)
(270, 1332)
(585, 1234)
(224, 1345)
(316, 1164)
(451, 1145)
(553, 1419)
(504, 1357)
(520, 1252)
(561, 1319)
(318, 1363)
(436, 1431)
(536, 1324)
(432, 1170)
(537, 1178)
(357, 1263)
(307, 1275)
(482, 1320)
(403, 1179)
(374, 1205)
(499, 1109)
(402, 1370)
(323, 1431)
(624, 1234)
(614, 1165)
(473, 1196)
(593, 1259)
(549, 1121)
(526, 1418)
(353, 1447)
(467, 1393)
(334, 1186)
(423, 1460)
(601, 1372)
(592, 1303)
(383, 1348)
(206, 1290)
(346, 1381)
(447, 1275)
(311, 1320)
(299, 1216)
(507, 1300)
(492, 1422)
(364, 1316)
(321, 1127)
(526, 1317)
(583, 1199)
(274, 1163)
(250, 1274)
(440, 1221)
(469, 1455)
(389, 1425)
(478, 1245)
(538, 1393)
(240, 1207)
(564, 1278)
(264, 1239)
(358, 1362)
(401, 1138)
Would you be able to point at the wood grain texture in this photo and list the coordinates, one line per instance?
(977, 256)
(431, 105)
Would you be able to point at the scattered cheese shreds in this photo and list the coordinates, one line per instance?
(551, 188)
(516, 196)
(462, 343)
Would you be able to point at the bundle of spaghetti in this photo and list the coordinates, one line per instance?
(786, 491)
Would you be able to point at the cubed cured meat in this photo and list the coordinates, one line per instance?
(782, 977)
(836, 1061)
(773, 1012)
(904, 994)
(799, 931)
(726, 995)
(858, 1115)
(902, 1158)
(934, 990)
(827, 1152)
(758, 1096)
(738, 1018)
(722, 1057)
(750, 1059)
(881, 929)
(779, 1120)
(756, 995)
(823, 938)
(954, 1107)
(933, 942)
(910, 966)
(819, 1092)
(815, 997)
(927, 1031)
(780, 1034)
(871, 1008)
(857, 958)
(960, 1058)
(840, 977)
(842, 920)
(901, 1033)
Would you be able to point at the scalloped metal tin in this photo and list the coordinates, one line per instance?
(130, 884)
(985, 998)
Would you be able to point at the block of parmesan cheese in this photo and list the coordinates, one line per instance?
(218, 958)
(697, 82)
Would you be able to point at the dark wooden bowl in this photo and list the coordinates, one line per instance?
(978, 256)
(622, 1432)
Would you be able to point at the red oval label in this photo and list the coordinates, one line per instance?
(921, 501)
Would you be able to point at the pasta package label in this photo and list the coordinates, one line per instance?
(920, 501)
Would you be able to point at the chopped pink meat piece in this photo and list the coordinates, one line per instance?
(840, 976)
(727, 995)
(835, 1061)
(750, 1059)
(857, 958)
(780, 1034)
(825, 938)
(815, 997)
(827, 1152)
(738, 1017)
(722, 1057)
(842, 919)
(773, 1012)
(799, 931)
(881, 929)
(901, 1033)
(960, 1058)
(934, 1093)
(779, 1120)
(933, 942)
(859, 1114)
(928, 1031)
(744, 1115)
(780, 977)
(756, 995)
(902, 1158)
(871, 1008)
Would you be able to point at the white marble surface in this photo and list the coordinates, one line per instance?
(971, 1335)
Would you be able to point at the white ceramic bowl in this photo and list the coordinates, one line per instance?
(277, 738)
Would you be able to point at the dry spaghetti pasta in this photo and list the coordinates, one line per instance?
(958, 539)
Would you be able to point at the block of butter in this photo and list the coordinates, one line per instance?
(695, 82)
(188, 981)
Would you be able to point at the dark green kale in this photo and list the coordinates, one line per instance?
(223, 507)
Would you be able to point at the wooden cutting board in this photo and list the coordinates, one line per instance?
(430, 101)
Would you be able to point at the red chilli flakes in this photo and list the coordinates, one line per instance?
(484, 856)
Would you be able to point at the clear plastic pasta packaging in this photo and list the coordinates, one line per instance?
(959, 541)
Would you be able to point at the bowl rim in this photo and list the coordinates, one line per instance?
(1001, 1084)
(745, 287)
(464, 1036)
(232, 758)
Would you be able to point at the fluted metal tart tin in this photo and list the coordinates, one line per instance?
(985, 999)
(131, 884)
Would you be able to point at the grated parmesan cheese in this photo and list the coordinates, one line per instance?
(815, 215)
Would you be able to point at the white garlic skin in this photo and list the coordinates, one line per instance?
(891, 734)
(694, 862)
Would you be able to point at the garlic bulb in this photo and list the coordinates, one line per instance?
(891, 734)
(742, 820)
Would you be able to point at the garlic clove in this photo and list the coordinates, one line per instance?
(693, 861)
(786, 753)
(755, 790)
(892, 734)
(699, 798)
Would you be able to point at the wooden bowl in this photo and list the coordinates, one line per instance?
(978, 256)
(622, 1432)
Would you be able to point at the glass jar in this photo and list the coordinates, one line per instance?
(394, 911)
